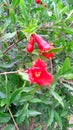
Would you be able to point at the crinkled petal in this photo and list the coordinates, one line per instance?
(40, 63)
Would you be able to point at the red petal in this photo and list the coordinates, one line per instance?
(40, 63)
(39, 75)
(38, 1)
(30, 46)
(42, 44)
(45, 79)
(48, 55)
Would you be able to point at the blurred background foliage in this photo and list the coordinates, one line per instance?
(34, 107)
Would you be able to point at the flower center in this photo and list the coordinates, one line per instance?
(37, 74)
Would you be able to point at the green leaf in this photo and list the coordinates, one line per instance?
(66, 64)
(58, 119)
(4, 117)
(68, 86)
(51, 118)
(66, 68)
(38, 128)
(2, 95)
(68, 76)
(1, 54)
(28, 89)
(56, 50)
(68, 30)
(9, 127)
(24, 10)
(15, 2)
(33, 113)
(3, 102)
(15, 95)
(22, 114)
(35, 100)
(58, 98)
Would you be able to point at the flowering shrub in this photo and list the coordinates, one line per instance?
(36, 64)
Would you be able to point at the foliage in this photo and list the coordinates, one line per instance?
(20, 100)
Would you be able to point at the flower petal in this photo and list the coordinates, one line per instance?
(42, 44)
(40, 63)
(30, 46)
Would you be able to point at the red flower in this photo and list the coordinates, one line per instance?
(30, 46)
(39, 75)
(44, 46)
(38, 1)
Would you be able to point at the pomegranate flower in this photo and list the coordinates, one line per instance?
(38, 1)
(44, 46)
(38, 74)
(30, 46)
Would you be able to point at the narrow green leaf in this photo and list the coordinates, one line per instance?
(57, 97)
(15, 2)
(15, 95)
(9, 127)
(35, 100)
(4, 117)
(2, 95)
(24, 10)
(51, 118)
(56, 50)
(33, 113)
(68, 76)
(58, 119)
(66, 64)
(68, 86)
(28, 89)
(1, 54)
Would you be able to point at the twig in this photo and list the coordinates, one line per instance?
(49, 25)
(10, 46)
(16, 126)
(12, 72)
(51, 66)
(67, 81)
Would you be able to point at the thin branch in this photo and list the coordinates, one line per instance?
(49, 25)
(16, 126)
(12, 72)
(10, 46)
(67, 81)
(51, 66)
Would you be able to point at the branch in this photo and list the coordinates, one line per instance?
(49, 25)
(13, 72)
(51, 66)
(16, 126)
(10, 46)
(67, 81)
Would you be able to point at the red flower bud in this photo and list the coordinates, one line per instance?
(38, 1)
(30, 46)
(44, 46)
